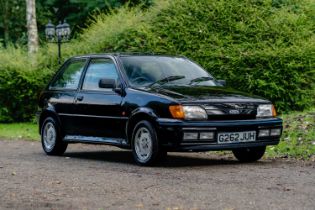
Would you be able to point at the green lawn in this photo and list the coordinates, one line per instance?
(298, 138)
(15, 131)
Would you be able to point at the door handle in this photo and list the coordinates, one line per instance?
(80, 98)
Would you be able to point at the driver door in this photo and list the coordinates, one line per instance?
(99, 110)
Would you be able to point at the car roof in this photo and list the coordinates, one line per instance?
(125, 54)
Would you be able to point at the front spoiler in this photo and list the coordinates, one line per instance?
(216, 147)
(171, 133)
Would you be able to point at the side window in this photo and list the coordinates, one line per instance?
(70, 77)
(97, 70)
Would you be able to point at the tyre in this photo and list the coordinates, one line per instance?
(251, 154)
(51, 139)
(145, 146)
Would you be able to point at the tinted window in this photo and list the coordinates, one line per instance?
(147, 70)
(97, 70)
(70, 77)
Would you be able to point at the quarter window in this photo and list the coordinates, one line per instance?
(70, 77)
(97, 70)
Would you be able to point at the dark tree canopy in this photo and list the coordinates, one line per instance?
(12, 21)
(76, 12)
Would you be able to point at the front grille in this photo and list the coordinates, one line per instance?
(231, 111)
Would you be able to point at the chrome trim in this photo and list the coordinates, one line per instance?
(199, 129)
(92, 139)
(93, 116)
(198, 143)
(168, 120)
(234, 111)
(269, 126)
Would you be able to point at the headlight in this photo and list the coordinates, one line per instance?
(195, 113)
(188, 112)
(266, 110)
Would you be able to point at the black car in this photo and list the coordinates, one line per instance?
(152, 104)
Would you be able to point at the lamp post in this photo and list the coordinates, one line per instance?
(59, 34)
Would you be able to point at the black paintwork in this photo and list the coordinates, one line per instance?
(109, 116)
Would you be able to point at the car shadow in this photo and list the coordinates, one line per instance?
(172, 160)
(107, 156)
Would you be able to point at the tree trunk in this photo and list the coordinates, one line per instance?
(32, 32)
(6, 33)
(4, 8)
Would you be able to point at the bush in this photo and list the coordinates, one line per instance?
(266, 47)
(19, 90)
(263, 47)
(19, 93)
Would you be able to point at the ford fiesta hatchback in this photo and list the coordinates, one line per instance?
(152, 105)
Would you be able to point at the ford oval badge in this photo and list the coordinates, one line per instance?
(234, 111)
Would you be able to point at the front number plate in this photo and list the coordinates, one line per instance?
(236, 137)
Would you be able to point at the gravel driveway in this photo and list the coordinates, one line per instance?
(102, 177)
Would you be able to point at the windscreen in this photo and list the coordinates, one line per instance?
(144, 71)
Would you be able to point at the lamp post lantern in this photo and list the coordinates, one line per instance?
(59, 34)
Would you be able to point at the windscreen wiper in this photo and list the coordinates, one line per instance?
(167, 79)
(200, 79)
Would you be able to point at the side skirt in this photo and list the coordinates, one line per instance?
(96, 140)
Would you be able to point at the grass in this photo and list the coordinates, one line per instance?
(298, 138)
(17, 131)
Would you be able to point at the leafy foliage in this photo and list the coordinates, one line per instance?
(12, 21)
(263, 47)
(266, 47)
(19, 89)
(12, 15)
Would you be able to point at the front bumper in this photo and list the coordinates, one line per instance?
(171, 133)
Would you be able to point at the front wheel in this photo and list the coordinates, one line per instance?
(51, 139)
(251, 154)
(145, 145)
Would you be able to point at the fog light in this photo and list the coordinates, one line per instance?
(206, 135)
(263, 133)
(275, 132)
(190, 136)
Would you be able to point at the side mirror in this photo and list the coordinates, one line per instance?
(222, 82)
(107, 83)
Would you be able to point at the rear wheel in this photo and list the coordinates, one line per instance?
(51, 139)
(145, 146)
(251, 154)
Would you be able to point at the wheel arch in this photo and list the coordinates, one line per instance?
(137, 116)
(44, 115)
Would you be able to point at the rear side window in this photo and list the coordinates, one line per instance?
(70, 77)
(98, 69)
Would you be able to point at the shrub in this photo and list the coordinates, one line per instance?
(263, 47)
(19, 91)
(266, 47)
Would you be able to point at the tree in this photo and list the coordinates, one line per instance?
(5, 19)
(76, 12)
(12, 21)
(31, 23)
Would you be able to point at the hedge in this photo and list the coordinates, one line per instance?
(266, 47)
